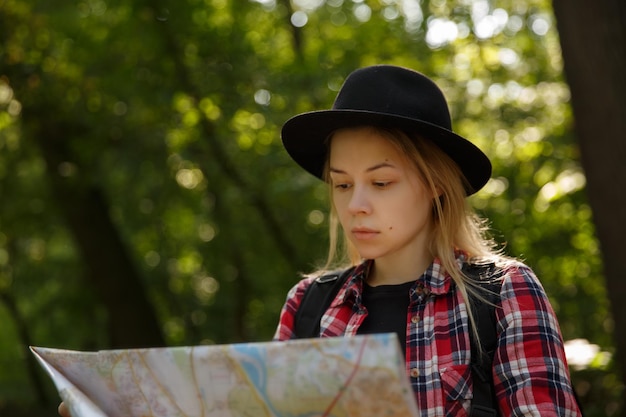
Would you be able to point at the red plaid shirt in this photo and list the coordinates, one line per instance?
(530, 371)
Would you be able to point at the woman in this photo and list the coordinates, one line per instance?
(399, 179)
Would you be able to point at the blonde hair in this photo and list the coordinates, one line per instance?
(457, 226)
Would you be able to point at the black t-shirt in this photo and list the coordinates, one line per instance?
(387, 307)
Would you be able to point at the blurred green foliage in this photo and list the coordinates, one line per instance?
(172, 110)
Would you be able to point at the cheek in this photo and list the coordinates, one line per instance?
(404, 213)
(339, 204)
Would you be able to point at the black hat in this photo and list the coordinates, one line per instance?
(385, 96)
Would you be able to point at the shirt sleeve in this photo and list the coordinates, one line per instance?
(531, 377)
(285, 329)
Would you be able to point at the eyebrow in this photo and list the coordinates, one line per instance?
(370, 169)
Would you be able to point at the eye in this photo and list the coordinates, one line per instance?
(342, 186)
(381, 184)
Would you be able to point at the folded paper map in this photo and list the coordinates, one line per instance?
(335, 377)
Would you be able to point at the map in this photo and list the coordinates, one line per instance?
(329, 377)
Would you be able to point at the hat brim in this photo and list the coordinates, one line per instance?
(304, 137)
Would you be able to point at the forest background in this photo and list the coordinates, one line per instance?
(146, 199)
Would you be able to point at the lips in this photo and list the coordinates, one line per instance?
(364, 233)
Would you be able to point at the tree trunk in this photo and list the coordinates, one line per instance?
(593, 40)
(23, 334)
(109, 268)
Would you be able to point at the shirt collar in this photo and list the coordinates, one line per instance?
(435, 279)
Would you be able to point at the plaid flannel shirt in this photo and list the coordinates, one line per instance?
(530, 372)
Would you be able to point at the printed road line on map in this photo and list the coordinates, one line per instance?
(342, 390)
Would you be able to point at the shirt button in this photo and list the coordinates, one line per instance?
(415, 373)
(415, 319)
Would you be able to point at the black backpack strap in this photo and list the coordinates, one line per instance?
(316, 300)
(484, 403)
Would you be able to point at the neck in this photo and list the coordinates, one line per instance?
(391, 272)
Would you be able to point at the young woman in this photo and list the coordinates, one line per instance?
(399, 179)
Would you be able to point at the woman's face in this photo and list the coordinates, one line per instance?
(382, 204)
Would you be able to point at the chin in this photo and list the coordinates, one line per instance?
(369, 254)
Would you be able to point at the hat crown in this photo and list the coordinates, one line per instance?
(394, 91)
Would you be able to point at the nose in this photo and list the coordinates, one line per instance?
(359, 201)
